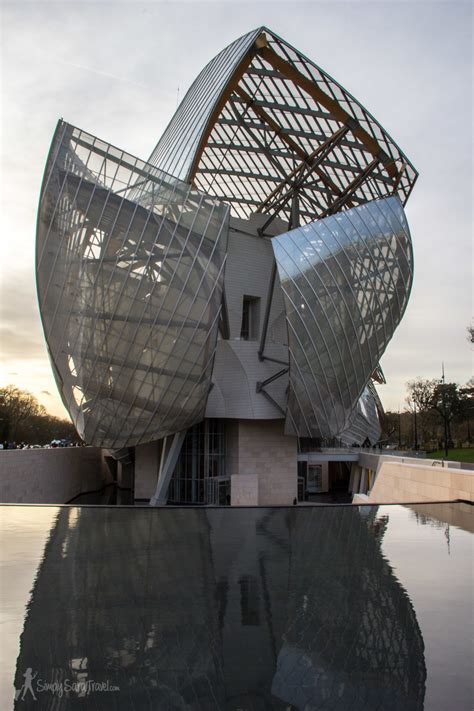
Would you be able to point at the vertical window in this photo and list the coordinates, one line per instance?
(314, 478)
(249, 329)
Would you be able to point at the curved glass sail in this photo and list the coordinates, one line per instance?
(346, 280)
(176, 149)
(129, 290)
(365, 424)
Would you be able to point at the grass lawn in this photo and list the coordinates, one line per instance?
(456, 455)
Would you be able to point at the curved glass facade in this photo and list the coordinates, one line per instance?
(346, 282)
(129, 290)
(365, 423)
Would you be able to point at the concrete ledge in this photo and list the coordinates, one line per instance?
(403, 481)
(50, 476)
(360, 499)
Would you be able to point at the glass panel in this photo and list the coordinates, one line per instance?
(200, 469)
(130, 275)
(346, 281)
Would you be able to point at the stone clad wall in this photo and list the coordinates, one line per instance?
(244, 490)
(50, 476)
(270, 457)
(402, 482)
(147, 464)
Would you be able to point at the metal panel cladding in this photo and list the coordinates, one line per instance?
(346, 280)
(129, 290)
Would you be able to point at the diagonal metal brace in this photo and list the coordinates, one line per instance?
(261, 384)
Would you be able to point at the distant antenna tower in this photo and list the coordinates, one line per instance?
(177, 97)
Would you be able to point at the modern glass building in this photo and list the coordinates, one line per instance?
(221, 309)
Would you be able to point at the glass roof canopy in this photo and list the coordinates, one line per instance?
(262, 125)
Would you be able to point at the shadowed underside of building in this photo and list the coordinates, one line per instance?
(227, 301)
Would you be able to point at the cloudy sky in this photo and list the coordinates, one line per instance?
(116, 70)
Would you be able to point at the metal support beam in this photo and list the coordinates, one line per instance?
(295, 211)
(284, 137)
(351, 188)
(263, 148)
(274, 402)
(308, 162)
(268, 307)
(224, 327)
(274, 360)
(167, 466)
(305, 168)
(275, 376)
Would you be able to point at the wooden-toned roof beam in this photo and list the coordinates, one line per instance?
(337, 112)
(228, 89)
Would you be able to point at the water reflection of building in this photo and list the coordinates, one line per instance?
(211, 609)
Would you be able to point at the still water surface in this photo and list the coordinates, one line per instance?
(199, 609)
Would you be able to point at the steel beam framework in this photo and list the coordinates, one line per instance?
(265, 110)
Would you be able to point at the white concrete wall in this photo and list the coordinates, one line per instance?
(50, 476)
(371, 461)
(237, 367)
(407, 481)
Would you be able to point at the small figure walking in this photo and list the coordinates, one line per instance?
(28, 685)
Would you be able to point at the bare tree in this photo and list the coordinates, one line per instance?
(419, 400)
(16, 406)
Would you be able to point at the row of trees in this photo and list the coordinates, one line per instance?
(23, 419)
(437, 415)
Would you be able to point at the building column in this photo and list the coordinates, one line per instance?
(363, 482)
(354, 488)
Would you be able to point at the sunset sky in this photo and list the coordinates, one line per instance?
(117, 71)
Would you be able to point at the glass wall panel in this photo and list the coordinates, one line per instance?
(129, 290)
(346, 280)
(365, 424)
(199, 475)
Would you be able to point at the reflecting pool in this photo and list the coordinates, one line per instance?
(326, 607)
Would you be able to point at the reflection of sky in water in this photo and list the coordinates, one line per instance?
(300, 608)
(434, 562)
(23, 534)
